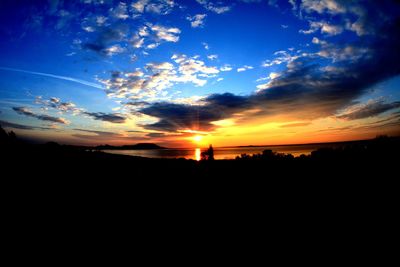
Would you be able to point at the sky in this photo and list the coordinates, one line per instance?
(197, 72)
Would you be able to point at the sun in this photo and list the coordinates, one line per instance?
(197, 138)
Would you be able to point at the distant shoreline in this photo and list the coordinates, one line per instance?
(227, 153)
(157, 147)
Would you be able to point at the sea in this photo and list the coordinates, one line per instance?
(224, 152)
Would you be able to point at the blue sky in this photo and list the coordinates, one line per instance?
(125, 71)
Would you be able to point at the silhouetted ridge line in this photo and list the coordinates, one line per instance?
(139, 146)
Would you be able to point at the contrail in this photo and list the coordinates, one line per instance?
(56, 77)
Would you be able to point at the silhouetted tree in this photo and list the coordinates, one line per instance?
(3, 136)
(12, 137)
(266, 155)
(208, 155)
(7, 138)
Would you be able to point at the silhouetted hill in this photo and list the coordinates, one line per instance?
(139, 146)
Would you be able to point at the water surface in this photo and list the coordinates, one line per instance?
(221, 153)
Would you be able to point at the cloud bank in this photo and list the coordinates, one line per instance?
(306, 89)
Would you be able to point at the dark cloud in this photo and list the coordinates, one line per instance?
(163, 135)
(156, 135)
(306, 90)
(227, 100)
(21, 126)
(371, 109)
(134, 131)
(391, 122)
(180, 116)
(100, 133)
(392, 118)
(106, 36)
(136, 104)
(109, 117)
(25, 111)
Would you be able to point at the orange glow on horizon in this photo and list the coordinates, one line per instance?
(259, 131)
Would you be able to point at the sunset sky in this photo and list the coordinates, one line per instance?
(198, 72)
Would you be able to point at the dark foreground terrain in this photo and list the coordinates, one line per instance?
(378, 158)
(331, 185)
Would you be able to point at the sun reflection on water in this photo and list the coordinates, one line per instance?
(197, 154)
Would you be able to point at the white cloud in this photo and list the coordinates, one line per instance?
(244, 68)
(212, 57)
(151, 82)
(160, 66)
(143, 31)
(57, 104)
(101, 20)
(262, 79)
(226, 67)
(161, 7)
(323, 6)
(360, 26)
(262, 86)
(137, 42)
(347, 12)
(120, 11)
(349, 52)
(151, 36)
(192, 100)
(139, 5)
(270, 78)
(147, 36)
(197, 20)
(115, 49)
(152, 46)
(317, 41)
(165, 33)
(206, 46)
(88, 28)
(273, 75)
(282, 57)
(324, 27)
(191, 68)
(216, 7)
(331, 29)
